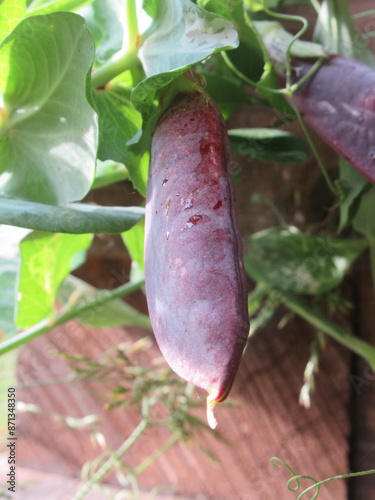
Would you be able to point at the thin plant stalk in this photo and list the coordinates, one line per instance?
(115, 457)
(47, 324)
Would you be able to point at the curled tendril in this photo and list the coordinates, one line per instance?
(294, 483)
(278, 462)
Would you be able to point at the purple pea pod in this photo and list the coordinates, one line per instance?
(195, 281)
(338, 103)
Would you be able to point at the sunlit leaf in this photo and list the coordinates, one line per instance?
(11, 13)
(182, 35)
(46, 259)
(48, 136)
(134, 242)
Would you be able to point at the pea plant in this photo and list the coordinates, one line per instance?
(83, 84)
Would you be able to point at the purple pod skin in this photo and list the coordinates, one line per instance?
(195, 281)
(338, 103)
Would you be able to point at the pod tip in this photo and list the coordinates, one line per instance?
(212, 422)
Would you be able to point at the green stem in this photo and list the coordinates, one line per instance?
(304, 28)
(316, 5)
(114, 67)
(330, 328)
(115, 457)
(132, 22)
(154, 456)
(312, 147)
(334, 478)
(365, 13)
(47, 324)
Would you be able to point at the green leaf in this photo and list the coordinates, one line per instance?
(76, 292)
(336, 31)
(75, 218)
(109, 172)
(292, 261)
(268, 144)
(10, 238)
(11, 13)
(134, 242)
(119, 123)
(46, 259)
(184, 35)
(354, 184)
(48, 137)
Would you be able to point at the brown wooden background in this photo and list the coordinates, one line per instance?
(336, 435)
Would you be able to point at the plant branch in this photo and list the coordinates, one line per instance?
(312, 147)
(47, 324)
(132, 22)
(154, 456)
(115, 457)
(330, 328)
(118, 64)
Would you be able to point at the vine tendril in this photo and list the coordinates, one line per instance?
(296, 478)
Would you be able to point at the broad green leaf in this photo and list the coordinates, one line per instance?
(48, 137)
(46, 259)
(268, 144)
(336, 31)
(119, 123)
(134, 242)
(354, 185)
(10, 238)
(185, 34)
(75, 218)
(182, 35)
(75, 292)
(303, 264)
(109, 172)
(11, 13)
